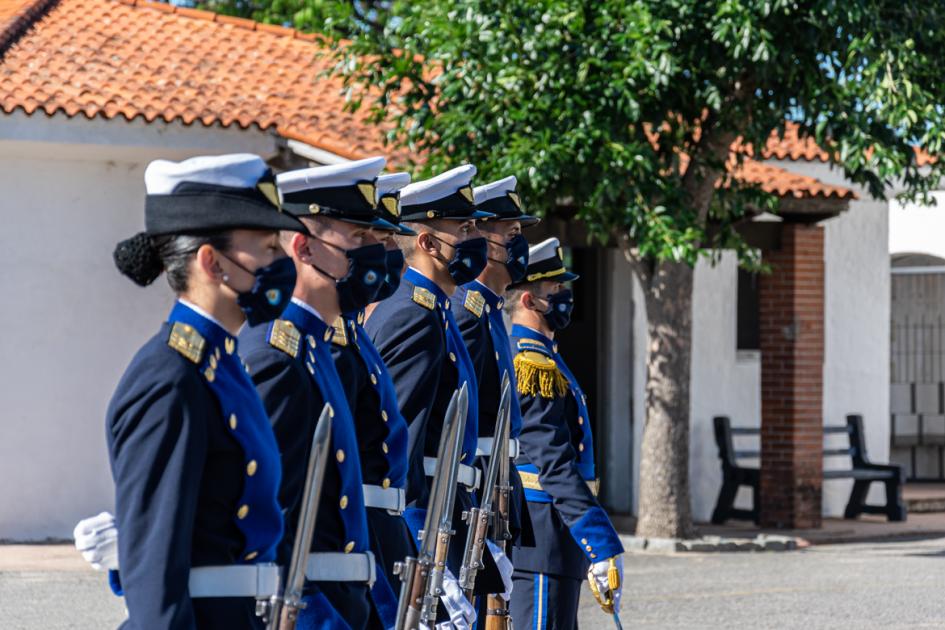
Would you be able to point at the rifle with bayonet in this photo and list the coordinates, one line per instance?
(286, 605)
(422, 577)
(478, 518)
(497, 609)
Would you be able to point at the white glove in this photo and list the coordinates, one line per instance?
(600, 574)
(461, 611)
(97, 539)
(505, 568)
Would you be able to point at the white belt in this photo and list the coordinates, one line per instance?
(467, 475)
(236, 580)
(390, 499)
(336, 566)
(484, 448)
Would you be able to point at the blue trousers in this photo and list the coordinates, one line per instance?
(544, 602)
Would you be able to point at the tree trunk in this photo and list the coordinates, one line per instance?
(664, 507)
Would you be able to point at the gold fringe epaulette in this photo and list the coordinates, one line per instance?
(537, 375)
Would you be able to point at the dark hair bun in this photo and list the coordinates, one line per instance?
(137, 258)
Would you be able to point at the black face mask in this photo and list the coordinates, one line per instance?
(516, 261)
(560, 305)
(367, 267)
(395, 267)
(271, 291)
(469, 259)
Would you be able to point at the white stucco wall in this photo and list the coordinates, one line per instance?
(915, 228)
(70, 321)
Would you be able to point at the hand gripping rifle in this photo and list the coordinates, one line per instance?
(422, 577)
(497, 609)
(285, 607)
(478, 517)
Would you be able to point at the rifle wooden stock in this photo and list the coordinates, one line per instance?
(497, 616)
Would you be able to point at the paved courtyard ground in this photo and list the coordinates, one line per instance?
(896, 584)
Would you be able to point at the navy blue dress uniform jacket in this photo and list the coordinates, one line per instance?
(478, 312)
(418, 340)
(556, 465)
(196, 471)
(290, 362)
(382, 443)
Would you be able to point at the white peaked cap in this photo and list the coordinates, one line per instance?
(443, 185)
(236, 170)
(344, 174)
(388, 184)
(544, 250)
(495, 189)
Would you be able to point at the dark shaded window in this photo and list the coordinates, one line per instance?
(748, 333)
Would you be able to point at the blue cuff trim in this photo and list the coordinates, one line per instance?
(596, 536)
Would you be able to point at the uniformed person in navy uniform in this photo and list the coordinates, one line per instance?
(381, 430)
(478, 307)
(340, 268)
(418, 339)
(556, 460)
(195, 463)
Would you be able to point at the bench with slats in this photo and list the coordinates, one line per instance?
(863, 472)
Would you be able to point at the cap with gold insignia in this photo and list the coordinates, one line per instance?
(213, 192)
(546, 262)
(388, 195)
(449, 195)
(345, 191)
(499, 198)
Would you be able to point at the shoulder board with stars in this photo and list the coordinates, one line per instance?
(187, 341)
(424, 297)
(285, 336)
(474, 303)
(339, 335)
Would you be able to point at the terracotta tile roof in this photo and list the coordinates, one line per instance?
(778, 181)
(791, 146)
(139, 59)
(154, 61)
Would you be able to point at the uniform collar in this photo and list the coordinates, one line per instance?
(306, 318)
(494, 301)
(418, 279)
(524, 332)
(208, 327)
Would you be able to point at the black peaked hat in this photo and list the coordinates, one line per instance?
(449, 195)
(499, 198)
(213, 193)
(344, 191)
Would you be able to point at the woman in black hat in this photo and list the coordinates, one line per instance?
(195, 464)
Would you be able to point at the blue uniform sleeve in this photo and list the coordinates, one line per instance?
(158, 443)
(292, 404)
(405, 338)
(546, 443)
(476, 339)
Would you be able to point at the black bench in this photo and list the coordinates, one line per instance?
(863, 473)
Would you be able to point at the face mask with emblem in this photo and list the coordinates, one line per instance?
(395, 267)
(271, 291)
(560, 305)
(469, 259)
(367, 267)
(516, 260)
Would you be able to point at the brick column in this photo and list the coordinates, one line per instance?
(792, 357)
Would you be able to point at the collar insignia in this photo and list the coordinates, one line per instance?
(424, 297)
(285, 336)
(187, 341)
(339, 335)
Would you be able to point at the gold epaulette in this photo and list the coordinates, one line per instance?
(339, 335)
(186, 340)
(424, 297)
(474, 303)
(538, 375)
(286, 337)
